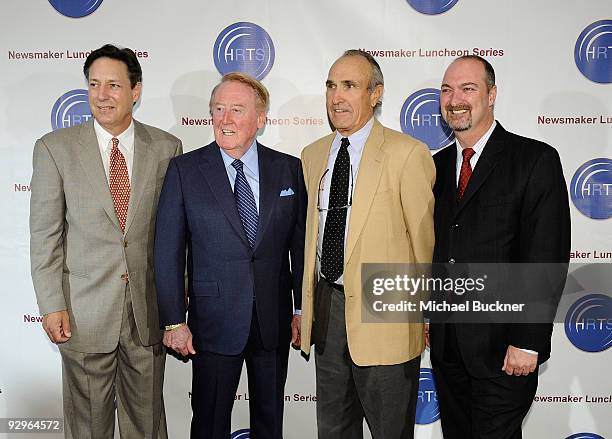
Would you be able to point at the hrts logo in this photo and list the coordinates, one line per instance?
(591, 188)
(427, 410)
(421, 118)
(588, 323)
(75, 8)
(593, 51)
(72, 108)
(244, 47)
(432, 7)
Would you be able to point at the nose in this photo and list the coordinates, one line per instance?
(335, 96)
(226, 117)
(455, 97)
(102, 92)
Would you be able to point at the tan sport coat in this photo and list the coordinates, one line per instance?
(391, 221)
(79, 255)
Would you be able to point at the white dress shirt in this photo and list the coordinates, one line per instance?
(357, 142)
(478, 148)
(126, 146)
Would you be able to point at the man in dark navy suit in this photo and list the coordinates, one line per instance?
(232, 213)
(500, 198)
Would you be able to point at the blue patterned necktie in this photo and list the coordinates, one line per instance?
(245, 202)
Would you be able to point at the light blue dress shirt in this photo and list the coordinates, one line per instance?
(251, 169)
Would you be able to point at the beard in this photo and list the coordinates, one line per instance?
(463, 122)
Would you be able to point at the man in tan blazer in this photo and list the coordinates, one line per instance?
(95, 189)
(382, 212)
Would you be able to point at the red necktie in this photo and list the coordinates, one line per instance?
(465, 173)
(119, 183)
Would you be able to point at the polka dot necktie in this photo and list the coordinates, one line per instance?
(332, 257)
(245, 202)
(465, 173)
(119, 183)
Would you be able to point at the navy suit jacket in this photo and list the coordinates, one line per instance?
(199, 228)
(515, 210)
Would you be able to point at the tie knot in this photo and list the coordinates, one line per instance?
(344, 143)
(467, 153)
(115, 142)
(237, 164)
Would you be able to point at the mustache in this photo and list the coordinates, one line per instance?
(458, 107)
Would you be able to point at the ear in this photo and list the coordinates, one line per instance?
(376, 95)
(136, 91)
(261, 119)
(492, 95)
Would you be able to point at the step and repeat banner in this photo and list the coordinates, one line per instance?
(553, 60)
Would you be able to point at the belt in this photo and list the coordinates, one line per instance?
(335, 286)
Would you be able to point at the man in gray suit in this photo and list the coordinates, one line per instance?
(95, 189)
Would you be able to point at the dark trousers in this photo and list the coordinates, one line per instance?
(479, 408)
(346, 393)
(215, 380)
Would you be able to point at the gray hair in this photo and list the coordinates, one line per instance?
(376, 78)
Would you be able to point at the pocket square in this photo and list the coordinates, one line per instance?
(286, 192)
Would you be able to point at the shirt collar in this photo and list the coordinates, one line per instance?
(249, 159)
(358, 139)
(126, 138)
(479, 146)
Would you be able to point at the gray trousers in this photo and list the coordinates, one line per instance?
(346, 393)
(132, 374)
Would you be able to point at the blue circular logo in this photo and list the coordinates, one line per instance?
(593, 51)
(585, 436)
(245, 433)
(72, 108)
(244, 47)
(591, 188)
(588, 323)
(427, 410)
(432, 7)
(421, 118)
(75, 8)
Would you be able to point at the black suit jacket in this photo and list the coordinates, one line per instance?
(197, 217)
(515, 210)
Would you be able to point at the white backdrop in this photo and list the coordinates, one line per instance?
(530, 43)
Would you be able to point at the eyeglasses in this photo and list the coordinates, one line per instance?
(322, 188)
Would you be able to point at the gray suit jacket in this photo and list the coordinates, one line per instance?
(79, 256)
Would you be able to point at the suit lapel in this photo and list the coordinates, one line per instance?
(485, 165)
(213, 169)
(141, 170)
(269, 191)
(370, 170)
(313, 174)
(91, 161)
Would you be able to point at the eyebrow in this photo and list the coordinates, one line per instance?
(460, 85)
(343, 82)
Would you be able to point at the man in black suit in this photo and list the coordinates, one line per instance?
(500, 198)
(233, 212)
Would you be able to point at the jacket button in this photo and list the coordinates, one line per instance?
(454, 226)
(252, 258)
(451, 260)
(125, 278)
(125, 244)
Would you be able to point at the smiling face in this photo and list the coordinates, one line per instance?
(236, 117)
(111, 97)
(465, 99)
(350, 105)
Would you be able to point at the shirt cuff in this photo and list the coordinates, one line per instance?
(297, 312)
(529, 351)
